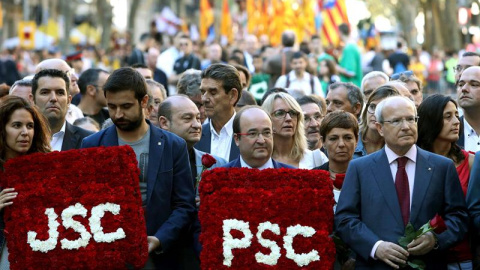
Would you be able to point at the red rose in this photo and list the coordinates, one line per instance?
(208, 160)
(438, 224)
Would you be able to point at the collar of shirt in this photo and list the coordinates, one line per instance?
(293, 76)
(228, 127)
(392, 156)
(61, 131)
(57, 139)
(267, 165)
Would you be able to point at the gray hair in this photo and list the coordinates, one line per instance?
(152, 83)
(189, 83)
(371, 75)
(379, 108)
(23, 82)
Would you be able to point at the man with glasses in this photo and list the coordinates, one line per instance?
(221, 89)
(468, 95)
(93, 100)
(313, 118)
(401, 184)
(468, 59)
(253, 135)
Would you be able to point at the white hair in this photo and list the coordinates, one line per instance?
(373, 74)
(379, 108)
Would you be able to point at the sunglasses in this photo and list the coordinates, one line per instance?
(397, 76)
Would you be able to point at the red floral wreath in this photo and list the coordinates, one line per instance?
(284, 197)
(87, 177)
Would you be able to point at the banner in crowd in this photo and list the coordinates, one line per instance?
(275, 219)
(75, 209)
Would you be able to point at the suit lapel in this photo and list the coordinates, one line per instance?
(234, 151)
(110, 137)
(69, 138)
(206, 141)
(157, 143)
(383, 177)
(423, 175)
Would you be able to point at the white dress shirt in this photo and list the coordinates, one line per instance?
(73, 113)
(267, 165)
(472, 139)
(409, 168)
(57, 139)
(312, 159)
(302, 85)
(222, 143)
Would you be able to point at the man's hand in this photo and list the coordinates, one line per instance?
(422, 245)
(391, 254)
(153, 243)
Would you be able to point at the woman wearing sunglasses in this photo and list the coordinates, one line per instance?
(289, 141)
(370, 140)
(438, 131)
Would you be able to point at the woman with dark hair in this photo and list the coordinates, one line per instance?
(370, 140)
(438, 132)
(327, 74)
(23, 131)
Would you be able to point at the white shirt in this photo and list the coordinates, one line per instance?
(268, 165)
(472, 139)
(312, 159)
(57, 139)
(302, 85)
(409, 168)
(222, 143)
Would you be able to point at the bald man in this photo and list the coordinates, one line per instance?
(468, 97)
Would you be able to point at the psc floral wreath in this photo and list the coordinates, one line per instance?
(275, 219)
(76, 209)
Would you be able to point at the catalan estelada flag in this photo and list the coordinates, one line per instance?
(334, 13)
(206, 19)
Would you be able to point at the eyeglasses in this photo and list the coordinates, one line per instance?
(279, 114)
(460, 68)
(315, 117)
(256, 134)
(397, 76)
(398, 121)
(371, 108)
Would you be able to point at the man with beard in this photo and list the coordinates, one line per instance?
(166, 182)
(51, 94)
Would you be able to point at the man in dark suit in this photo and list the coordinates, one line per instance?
(373, 208)
(221, 89)
(473, 203)
(166, 182)
(468, 94)
(253, 134)
(50, 90)
(279, 64)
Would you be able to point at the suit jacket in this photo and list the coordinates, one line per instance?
(273, 65)
(205, 143)
(170, 196)
(473, 204)
(276, 165)
(461, 135)
(73, 137)
(369, 193)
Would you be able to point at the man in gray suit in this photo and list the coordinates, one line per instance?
(279, 64)
(179, 115)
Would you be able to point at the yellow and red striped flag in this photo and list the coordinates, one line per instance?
(206, 19)
(334, 13)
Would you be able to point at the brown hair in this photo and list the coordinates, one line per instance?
(41, 137)
(339, 119)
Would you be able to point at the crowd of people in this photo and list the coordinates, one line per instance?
(394, 157)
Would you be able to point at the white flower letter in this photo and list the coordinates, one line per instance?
(304, 258)
(69, 222)
(229, 243)
(271, 259)
(95, 225)
(51, 242)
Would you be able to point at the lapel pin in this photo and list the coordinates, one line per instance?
(429, 169)
(160, 143)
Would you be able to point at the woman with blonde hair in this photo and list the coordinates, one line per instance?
(289, 141)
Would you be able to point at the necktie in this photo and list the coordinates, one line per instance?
(403, 190)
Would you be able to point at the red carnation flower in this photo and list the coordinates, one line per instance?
(338, 182)
(208, 160)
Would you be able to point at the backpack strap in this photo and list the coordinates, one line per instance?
(311, 83)
(288, 80)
